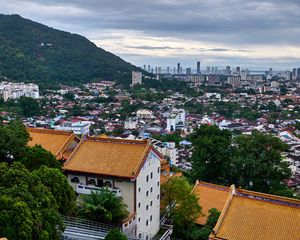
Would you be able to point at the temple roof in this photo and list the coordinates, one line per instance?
(209, 196)
(253, 215)
(110, 157)
(54, 141)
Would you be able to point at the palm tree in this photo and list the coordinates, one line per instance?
(103, 206)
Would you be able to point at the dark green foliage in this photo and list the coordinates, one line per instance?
(33, 52)
(213, 217)
(58, 184)
(200, 233)
(13, 140)
(115, 235)
(29, 106)
(103, 206)
(36, 156)
(69, 96)
(38, 216)
(258, 163)
(212, 153)
(253, 161)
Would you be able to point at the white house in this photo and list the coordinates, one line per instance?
(80, 128)
(144, 113)
(129, 168)
(176, 120)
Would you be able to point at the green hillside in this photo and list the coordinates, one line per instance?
(33, 52)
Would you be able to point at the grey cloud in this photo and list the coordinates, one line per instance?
(153, 47)
(237, 23)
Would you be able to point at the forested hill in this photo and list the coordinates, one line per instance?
(33, 52)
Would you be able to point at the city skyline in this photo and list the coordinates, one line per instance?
(249, 34)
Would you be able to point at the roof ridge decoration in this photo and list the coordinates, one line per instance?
(232, 192)
(50, 131)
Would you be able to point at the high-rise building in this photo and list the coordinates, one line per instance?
(178, 68)
(188, 71)
(228, 70)
(208, 70)
(212, 70)
(144, 67)
(136, 78)
(298, 72)
(238, 69)
(149, 68)
(155, 70)
(198, 67)
(159, 70)
(168, 70)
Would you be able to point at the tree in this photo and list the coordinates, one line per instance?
(212, 153)
(58, 184)
(115, 235)
(103, 206)
(213, 217)
(27, 206)
(69, 96)
(30, 107)
(186, 209)
(36, 156)
(258, 164)
(13, 141)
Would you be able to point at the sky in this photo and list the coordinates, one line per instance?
(248, 33)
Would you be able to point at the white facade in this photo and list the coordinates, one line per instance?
(148, 197)
(79, 128)
(141, 195)
(130, 124)
(176, 120)
(144, 113)
(136, 78)
(17, 90)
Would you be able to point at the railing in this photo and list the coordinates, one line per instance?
(87, 189)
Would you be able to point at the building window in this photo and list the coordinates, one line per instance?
(75, 180)
(158, 184)
(147, 178)
(140, 235)
(139, 219)
(151, 203)
(139, 204)
(147, 193)
(147, 207)
(157, 196)
(151, 175)
(151, 218)
(139, 189)
(147, 222)
(151, 189)
(158, 169)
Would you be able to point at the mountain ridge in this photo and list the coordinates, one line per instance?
(33, 52)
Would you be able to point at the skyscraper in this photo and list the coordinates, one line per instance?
(188, 71)
(168, 70)
(208, 70)
(198, 68)
(228, 70)
(178, 68)
(149, 69)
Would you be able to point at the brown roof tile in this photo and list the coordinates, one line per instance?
(54, 141)
(111, 157)
(209, 196)
(256, 216)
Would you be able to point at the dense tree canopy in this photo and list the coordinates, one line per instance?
(33, 190)
(212, 153)
(251, 161)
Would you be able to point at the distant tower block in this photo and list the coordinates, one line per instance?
(136, 78)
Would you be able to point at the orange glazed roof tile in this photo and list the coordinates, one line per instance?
(209, 196)
(255, 216)
(52, 140)
(111, 157)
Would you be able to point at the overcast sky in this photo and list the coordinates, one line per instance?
(249, 33)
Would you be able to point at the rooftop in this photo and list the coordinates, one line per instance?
(109, 157)
(209, 196)
(253, 215)
(54, 141)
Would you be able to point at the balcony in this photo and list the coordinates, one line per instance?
(87, 189)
